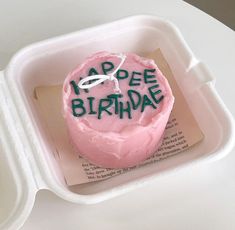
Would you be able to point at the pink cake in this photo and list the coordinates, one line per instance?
(116, 117)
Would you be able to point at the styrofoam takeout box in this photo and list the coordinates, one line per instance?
(27, 163)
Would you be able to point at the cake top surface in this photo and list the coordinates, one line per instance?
(142, 99)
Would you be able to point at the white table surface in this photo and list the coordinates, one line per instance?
(201, 197)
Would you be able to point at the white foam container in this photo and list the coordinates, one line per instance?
(27, 161)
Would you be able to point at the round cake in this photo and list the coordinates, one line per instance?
(116, 108)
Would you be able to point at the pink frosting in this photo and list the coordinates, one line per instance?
(110, 141)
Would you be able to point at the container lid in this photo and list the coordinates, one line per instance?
(16, 181)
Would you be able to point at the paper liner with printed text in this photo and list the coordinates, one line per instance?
(182, 131)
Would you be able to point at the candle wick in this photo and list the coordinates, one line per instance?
(102, 77)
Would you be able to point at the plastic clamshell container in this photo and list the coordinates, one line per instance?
(27, 162)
